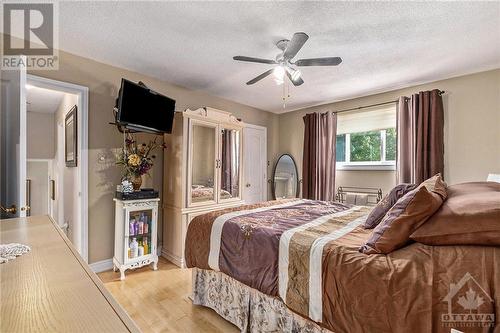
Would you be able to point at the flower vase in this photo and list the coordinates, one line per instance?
(136, 183)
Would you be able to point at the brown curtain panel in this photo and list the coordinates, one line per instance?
(318, 164)
(420, 126)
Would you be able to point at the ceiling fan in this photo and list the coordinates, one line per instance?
(289, 49)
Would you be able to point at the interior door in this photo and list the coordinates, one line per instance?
(13, 143)
(37, 173)
(255, 164)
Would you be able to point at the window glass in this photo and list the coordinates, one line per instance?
(340, 148)
(390, 144)
(366, 146)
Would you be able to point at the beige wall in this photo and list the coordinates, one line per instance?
(68, 185)
(103, 82)
(41, 135)
(472, 129)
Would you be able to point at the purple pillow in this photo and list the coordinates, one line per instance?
(409, 213)
(378, 213)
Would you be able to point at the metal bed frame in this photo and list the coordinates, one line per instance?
(374, 194)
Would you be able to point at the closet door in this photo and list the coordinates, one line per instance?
(202, 163)
(230, 164)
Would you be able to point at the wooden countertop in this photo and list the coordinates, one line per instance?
(51, 288)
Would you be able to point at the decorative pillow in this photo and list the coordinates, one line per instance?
(470, 216)
(377, 214)
(409, 212)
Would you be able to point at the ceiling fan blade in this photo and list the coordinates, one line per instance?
(298, 80)
(259, 60)
(330, 61)
(260, 77)
(293, 47)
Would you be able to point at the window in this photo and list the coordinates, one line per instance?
(367, 140)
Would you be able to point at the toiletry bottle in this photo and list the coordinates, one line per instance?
(131, 228)
(136, 227)
(145, 244)
(141, 227)
(134, 248)
(129, 252)
(140, 250)
(146, 226)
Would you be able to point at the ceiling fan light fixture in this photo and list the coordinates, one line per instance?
(279, 73)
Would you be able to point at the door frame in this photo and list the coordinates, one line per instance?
(19, 153)
(82, 122)
(265, 180)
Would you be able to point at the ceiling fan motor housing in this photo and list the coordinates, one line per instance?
(282, 44)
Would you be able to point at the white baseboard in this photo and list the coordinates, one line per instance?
(101, 266)
(173, 259)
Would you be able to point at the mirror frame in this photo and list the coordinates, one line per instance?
(297, 194)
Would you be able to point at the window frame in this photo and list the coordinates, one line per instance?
(383, 164)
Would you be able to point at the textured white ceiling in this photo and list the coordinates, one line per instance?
(43, 100)
(384, 45)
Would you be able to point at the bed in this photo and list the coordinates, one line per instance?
(294, 265)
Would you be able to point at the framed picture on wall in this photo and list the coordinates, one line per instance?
(70, 137)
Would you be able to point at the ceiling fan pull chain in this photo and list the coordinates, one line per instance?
(284, 97)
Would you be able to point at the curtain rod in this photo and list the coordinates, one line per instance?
(378, 104)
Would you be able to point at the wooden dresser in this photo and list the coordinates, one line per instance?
(51, 289)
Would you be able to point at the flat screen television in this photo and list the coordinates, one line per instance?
(144, 110)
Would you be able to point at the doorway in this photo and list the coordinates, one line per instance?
(67, 180)
(34, 170)
(254, 163)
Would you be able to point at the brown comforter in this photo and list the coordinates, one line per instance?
(306, 252)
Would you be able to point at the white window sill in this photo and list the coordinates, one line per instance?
(365, 167)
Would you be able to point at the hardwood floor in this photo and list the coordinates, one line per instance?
(158, 300)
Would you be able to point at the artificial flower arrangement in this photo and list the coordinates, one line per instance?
(137, 159)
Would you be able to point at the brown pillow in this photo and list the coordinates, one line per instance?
(470, 216)
(377, 214)
(413, 209)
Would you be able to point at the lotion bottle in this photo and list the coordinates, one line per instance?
(134, 248)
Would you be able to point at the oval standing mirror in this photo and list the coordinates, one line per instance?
(285, 178)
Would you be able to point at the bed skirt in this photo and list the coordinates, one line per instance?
(247, 308)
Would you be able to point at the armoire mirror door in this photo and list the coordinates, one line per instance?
(230, 164)
(202, 163)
